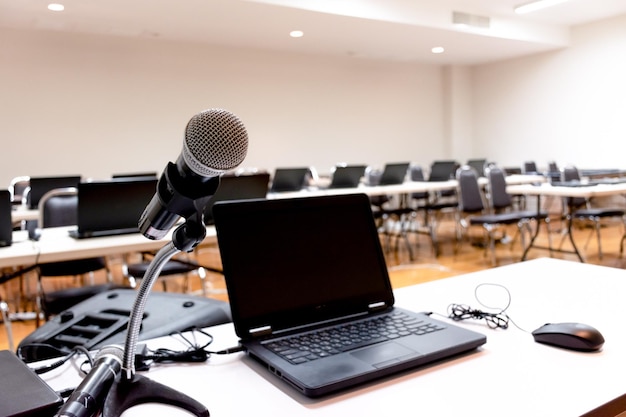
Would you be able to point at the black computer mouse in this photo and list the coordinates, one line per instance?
(574, 336)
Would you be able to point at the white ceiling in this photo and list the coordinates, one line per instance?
(398, 30)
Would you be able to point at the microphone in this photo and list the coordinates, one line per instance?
(215, 141)
(88, 398)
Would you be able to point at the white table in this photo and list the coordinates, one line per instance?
(56, 244)
(546, 189)
(511, 375)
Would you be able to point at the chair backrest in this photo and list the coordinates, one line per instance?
(470, 198)
(498, 196)
(417, 174)
(570, 173)
(58, 207)
(530, 167)
(17, 188)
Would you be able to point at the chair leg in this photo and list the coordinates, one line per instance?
(597, 224)
(6, 319)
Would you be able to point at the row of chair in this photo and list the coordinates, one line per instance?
(490, 208)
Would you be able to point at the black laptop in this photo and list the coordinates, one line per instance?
(107, 208)
(311, 298)
(6, 224)
(394, 173)
(289, 179)
(41, 185)
(238, 187)
(347, 176)
(442, 170)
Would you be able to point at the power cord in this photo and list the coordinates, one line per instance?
(196, 351)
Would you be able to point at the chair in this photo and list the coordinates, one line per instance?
(472, 211)
(134, 272)
(17, 187)
(502, 202)
(530, 168)
(58, 207)
(392, 218)
(578, 208)
(440, 202)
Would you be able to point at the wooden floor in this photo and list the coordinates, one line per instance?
(453, 260)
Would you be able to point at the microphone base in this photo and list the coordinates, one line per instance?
(125, 394)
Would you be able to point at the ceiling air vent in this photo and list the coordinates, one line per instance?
(460, 18)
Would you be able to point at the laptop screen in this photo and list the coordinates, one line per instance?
(348, 176)
(295, 261)
(394, 173)
(240, 187)
(289, 179)
(41, 185)
(442, 170)
(6, 224)
(114, 205)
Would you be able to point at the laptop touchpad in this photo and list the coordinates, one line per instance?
(385, 354)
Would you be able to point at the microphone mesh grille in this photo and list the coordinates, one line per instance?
(215, 141)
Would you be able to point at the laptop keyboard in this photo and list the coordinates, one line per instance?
(326, 342)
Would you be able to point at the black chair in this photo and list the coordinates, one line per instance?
(581, 209)
(393, 218)
(502, 202)
(441, 202)
(58, 207)
(530, 168)
(473, 211)
(134, 272)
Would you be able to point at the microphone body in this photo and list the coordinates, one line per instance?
(215, 141)
(88, 398)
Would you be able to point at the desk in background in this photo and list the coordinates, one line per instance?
(599, 190)
(56, 245)
(510, 376)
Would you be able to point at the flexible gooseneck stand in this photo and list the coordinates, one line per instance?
(130, 389)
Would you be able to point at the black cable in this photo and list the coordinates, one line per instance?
(56, 364)
(495, 320)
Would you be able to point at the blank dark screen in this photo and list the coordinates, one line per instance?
(306, 255)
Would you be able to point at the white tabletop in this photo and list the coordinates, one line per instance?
(565, 191)
(511, 375)
(55, 244)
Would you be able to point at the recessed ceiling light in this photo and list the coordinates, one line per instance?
(56, 7)
(536, 5)
(438, 50)
(296, 34)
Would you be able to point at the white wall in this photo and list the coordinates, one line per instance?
(97, 105)
(568, 106)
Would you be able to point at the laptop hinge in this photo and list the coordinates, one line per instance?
(260, 331)
(381, 305)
